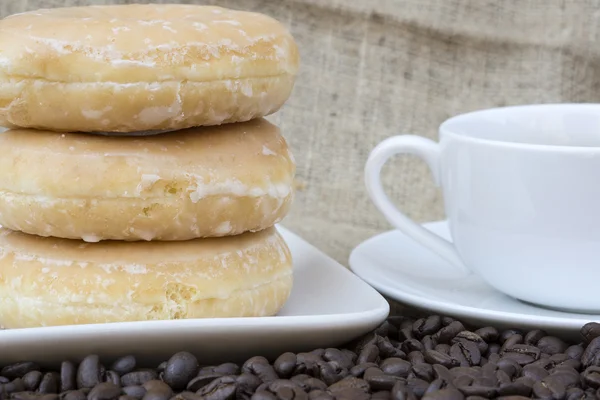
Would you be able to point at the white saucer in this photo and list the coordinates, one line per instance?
(411, 274)
(329, 306)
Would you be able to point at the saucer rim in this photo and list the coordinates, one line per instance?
(458, 310)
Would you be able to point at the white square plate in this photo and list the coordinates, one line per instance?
(328, 307)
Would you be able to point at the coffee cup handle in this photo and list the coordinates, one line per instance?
(429, 151)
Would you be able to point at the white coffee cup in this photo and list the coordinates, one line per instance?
(521, 187)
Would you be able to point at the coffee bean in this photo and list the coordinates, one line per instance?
(105, 391)
(590, 331)
(161, 367)
(352, 394)
(359, 344)
(568, 380)
(547, 364)
(493, 348)
(462, 380)
(330, 372)
(33, 396)
(591, 376)
(383, 329)
(246, 385)
(401, 392)
(186, 396)
(493, 358)
(309, 383)
(287, 390)
(417, 386)
(521, 353)
(383, 382)
(502, 377)
(157, 390)
(260, 366)
(428, 343)
(488, 333)
(113, 377)
(415, 357)
(223, 388)
(575, 351)
(396, 367)
(320, 395)
(16, 385)
(444, 394)
(227, 369)
(263, 395)
(372, 372)
(387, 349)
(138, 377)
(466, 353)
(369, 354)
(89, 373)
(574, 394)
(532, 337)
(411, 345)
(125, 365)
(181, 368)
(342, 359)
(49, 384)
(471, 337)
(511, 342)
(306, 363)
(134, 391)
(508, 333)
(285, 364)
(200, 381)
(442, 348)
(441, 372)
(525, 381)
(477, 390)
(551, 345)
(591, 353)
(514, 389)
(534, 372)
(427, 326)
(349, 383)
(447, 333)
(405, 334)
(125, 397)
(549, 390)
(68, 376)
(18, 370)
(32, 380)
(435, 357)
(358, 370)
(435, 385)
(473, 372)
(73, 395)
(352, 356)
(423, 371)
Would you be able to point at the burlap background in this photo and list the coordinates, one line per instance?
(376, 68)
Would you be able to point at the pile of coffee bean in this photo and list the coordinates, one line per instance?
(429, 358)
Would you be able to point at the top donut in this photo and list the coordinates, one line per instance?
(131, 68)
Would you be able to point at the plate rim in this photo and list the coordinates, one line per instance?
(467, 312)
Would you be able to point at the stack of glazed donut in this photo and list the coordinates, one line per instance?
(138, 177)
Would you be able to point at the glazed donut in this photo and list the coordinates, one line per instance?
(128, 68)
(200, 182)
(49, 281)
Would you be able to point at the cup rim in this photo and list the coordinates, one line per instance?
(445, 131)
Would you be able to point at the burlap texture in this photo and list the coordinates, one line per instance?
(376, 68)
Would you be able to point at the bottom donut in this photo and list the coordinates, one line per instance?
(49, 282)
